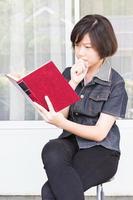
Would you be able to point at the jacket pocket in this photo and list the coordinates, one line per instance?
(96, 101)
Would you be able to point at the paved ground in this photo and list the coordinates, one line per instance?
(38, 198)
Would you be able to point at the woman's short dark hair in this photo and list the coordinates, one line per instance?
(100, 31)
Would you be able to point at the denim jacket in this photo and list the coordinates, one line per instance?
(104, 94)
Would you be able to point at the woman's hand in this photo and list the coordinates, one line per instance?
(52, 117)
(78, 71)
(15, 76)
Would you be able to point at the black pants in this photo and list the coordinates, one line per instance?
(71, 170)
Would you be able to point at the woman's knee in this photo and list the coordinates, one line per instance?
(52, 153)
(46, 192)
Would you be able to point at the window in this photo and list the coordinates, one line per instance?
(35, 31)
(32, 32)
(120, 14)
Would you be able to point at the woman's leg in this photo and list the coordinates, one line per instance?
(46, 192)
(95, 165)
(64, 181)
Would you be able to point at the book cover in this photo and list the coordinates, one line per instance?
(47, 80)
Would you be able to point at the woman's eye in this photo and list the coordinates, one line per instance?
(88, 47)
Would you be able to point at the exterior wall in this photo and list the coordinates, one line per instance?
(22, 171)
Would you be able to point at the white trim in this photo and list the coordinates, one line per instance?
(24, 125)
(76, 10)
(68, 28)
(55, 28)
(125, 124)
(6, 125)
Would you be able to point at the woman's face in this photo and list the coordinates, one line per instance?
(85, 51)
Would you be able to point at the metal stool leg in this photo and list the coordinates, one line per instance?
(100, 192)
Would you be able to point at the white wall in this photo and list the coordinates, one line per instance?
(21, 169)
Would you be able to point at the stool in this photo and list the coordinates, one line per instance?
(99, 190)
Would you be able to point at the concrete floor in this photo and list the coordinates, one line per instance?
(39, 198)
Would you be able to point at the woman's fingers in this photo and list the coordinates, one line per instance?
(50, 116)
(78, 71)
(79, 67)
(14, 76)
(40, 108)
(50, 105)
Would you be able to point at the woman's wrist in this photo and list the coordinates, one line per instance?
(61, 123)
(73, 84)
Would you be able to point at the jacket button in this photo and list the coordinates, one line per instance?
(76, 113)
(81, 96)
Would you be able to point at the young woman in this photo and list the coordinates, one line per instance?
(87, 152)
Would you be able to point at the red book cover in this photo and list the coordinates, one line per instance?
(47, 80)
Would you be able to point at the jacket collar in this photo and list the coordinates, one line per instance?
(103, 76)
(104, 72)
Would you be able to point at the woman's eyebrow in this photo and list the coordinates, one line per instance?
(87, 43)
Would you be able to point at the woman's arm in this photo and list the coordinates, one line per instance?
(96, 133)
(78, 72)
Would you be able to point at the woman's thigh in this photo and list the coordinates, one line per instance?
(95, 165)
(59, 150)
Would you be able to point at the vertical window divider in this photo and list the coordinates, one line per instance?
(76, 10)
(68, 28)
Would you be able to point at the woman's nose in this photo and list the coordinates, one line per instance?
(81, 51)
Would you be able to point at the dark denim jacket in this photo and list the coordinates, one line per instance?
(104, 94)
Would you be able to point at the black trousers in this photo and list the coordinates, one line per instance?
(71, 170)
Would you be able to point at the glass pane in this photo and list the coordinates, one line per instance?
(32, 32)
(4, 59)
(121, 17)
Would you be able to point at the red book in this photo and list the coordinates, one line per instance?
(47, 80)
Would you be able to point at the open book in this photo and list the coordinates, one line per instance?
(47, 80)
